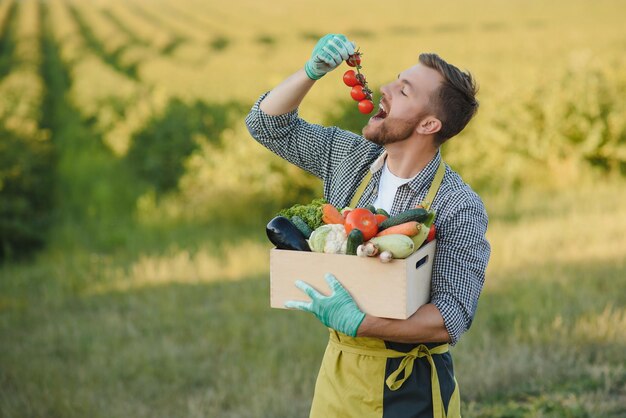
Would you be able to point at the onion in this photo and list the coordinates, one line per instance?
(361, 251)
(385, 256)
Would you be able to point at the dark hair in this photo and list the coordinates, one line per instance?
(454, 102)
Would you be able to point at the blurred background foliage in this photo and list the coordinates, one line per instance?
(125, 164)
(165, 87)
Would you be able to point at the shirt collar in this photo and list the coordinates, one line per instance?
(424, 177)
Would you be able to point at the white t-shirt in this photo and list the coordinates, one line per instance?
(387, 188)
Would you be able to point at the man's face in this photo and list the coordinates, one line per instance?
(404, 104)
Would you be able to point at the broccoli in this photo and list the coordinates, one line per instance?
(310, 213)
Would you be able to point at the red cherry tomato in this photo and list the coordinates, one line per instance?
(350, 78)
(354, 60)
(364, 220)
(366, 106)
(431, 233)
(357, 93)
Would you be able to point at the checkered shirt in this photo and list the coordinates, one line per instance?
(341, 158)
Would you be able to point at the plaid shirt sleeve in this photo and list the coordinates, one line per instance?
(314, 148)
(460, 263)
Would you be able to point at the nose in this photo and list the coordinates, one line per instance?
(385, 90)
(388, 88)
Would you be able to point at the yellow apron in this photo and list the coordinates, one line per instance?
(367, 378)
(355, 381)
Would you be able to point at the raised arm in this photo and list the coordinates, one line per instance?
(329, 52)
(288, 95)
(273, 120)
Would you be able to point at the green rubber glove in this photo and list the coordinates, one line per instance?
(337, 311)
(331, 50)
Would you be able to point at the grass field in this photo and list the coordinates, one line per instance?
(148, 292)
(181, 332)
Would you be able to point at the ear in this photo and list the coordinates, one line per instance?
(430, 125)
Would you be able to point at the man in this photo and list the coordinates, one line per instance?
(376, 367)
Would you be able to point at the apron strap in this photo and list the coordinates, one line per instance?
(428, 200)
(359, 191)
(406, 365)
(434, 186)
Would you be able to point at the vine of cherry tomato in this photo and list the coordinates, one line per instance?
(349, 78)
(354, 60)
(360, 92)
(366, 106)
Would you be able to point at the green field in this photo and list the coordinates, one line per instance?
(133, 257)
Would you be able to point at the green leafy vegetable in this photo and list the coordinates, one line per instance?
(310, 213)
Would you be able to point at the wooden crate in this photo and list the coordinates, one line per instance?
(388, 290)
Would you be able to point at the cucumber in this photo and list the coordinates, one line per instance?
(302, 226)
(430, 219)
(371, 208)
(419, 215)
(400, 246)
(382, 211)
(355, 238)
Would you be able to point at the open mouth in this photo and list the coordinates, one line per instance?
(382, 113)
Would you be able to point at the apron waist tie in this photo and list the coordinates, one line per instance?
(406, 365)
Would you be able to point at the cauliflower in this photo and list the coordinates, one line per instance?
(330, 239)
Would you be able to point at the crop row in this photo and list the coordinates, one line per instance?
(21, 90)
(26, 158)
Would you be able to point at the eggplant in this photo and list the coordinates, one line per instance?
(285, 235)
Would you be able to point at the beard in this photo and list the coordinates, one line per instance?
(390, 130)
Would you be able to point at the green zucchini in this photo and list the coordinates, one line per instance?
(418, 214)
(355, 238)
(400, 246)
(302, 226)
